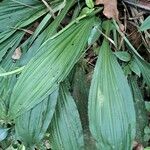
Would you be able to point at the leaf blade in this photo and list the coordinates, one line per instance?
(111, 119)
(65, 129)
(50, 65)
(32, 125)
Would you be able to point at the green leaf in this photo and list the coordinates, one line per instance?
(147, 133)
(65, 128)
(111, 109)
(147, 105)
(2, 70)
(95, 34)
(141, 113)
(49, 66)
(80, 85)
(3, 109)
(147, 148)
(32, 125)
(20, 13)
(9, 43)
(127, 70)
(124, 56)
(146, 24)
(3, 133)
(145, 69)
(47, 33)
(15, 15)
(89, 3)
(134, 67)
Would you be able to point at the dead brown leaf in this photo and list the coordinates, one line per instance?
(17, 54)
(137, 146)
(110, 8)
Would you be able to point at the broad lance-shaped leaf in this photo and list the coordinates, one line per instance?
(53, 62)
(111, 109)
(65, 128)
(7, 63)
(32, 125)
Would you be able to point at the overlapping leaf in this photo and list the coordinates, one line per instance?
(32, 125)
(111, 109)
(65, 128)
(49, 67)
(146, 24)
(47, 33)
(141, 114)
(16, 14)
(19, 13)
(2, 70)
(10, 43)
(80, 91)
(124, 56)
(145, 69)
(3, 109)
(8, 64)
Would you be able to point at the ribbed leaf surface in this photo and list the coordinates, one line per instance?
(111, 109)
(19, 13)
(32, 125)
(49, 67)
(65, 128)
(10, 43)
(3, 109)
(47, 33)
(2, 70)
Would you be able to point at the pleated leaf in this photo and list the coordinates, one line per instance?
(111, 109)
(47, 33)
(65, 128)
(7, 83)
(15, 15)
(20, 13)
(9, 43)
(3, 109)
(2, 70)
(32, 125)
(53, 62)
